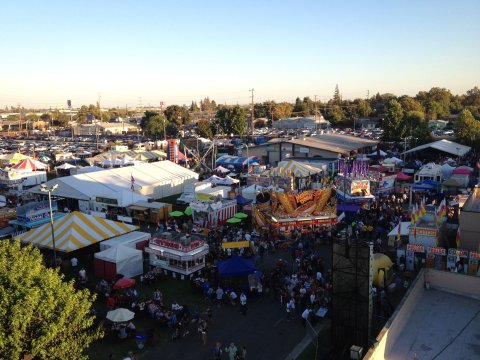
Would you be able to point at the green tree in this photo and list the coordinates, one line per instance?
(40, 314)
(232, 120)
(204, 128)
(300, 108)
(172, 130)
(177, 114)
(335, 113)
(467, 129)
(282, 110)
(194, 107)
(337, 97)
(146, 117)
(362, 108)
(394, 125)
(410, 104)
(155, 125)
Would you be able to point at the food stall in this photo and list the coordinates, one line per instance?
(177, 253)
(212, 213)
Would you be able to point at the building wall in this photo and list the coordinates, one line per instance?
(469, 230)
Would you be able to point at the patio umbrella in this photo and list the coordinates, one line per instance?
(240, 215)
(233, 220)
(120, 315)
(188, 211)
(176, 213)
(124, 283)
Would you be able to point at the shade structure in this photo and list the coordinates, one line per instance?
(124, 283)
(176, 213)
(75, 231)
(233, 220)
(222, 169)
(29, 165)
(120, 315)
(240, 215)
(403, 177)
(188, 211)
(65, 166)
(296, 168)
(236, 266)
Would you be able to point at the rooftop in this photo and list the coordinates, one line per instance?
(473, 202)
(335, 142)
(438, 323)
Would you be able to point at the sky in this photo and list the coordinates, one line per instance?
(141, 52)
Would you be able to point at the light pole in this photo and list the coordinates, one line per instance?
(44, 188)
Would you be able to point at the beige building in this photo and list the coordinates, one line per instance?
(437, 319)
(469, 222)
(328, 146)
(103, 128)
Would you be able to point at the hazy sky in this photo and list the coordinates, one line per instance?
(179, 51)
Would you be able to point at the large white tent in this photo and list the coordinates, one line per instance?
(157, 180)
(447, 146)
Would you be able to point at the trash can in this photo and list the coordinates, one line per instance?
(141, 340)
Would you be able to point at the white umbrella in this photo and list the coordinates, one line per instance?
(221, 169)
(120, 315)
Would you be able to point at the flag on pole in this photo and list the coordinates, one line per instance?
(457, 238)
(132, 180)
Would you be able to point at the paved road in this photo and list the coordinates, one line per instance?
(264, 331)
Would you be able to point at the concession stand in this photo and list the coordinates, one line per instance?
(177, 253)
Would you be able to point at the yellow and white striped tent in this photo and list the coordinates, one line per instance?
(297, 168)
(75, 231)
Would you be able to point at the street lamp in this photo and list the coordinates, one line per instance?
(44, 188)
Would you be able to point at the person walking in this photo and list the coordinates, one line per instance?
(243, 304)
(231, 351)
(217, 351)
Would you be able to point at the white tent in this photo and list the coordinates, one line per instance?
(130, 240)
(447, 171)
(392, 160)
(444, 145)
(65, 166)
(404, 230)
(222, 169)
(117, 260)
(378, 153)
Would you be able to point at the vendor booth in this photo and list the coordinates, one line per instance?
(118, 260)
(234, 272)
(178, 253)
(212, 213)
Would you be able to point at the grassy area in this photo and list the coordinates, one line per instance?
(173, 290)
(324, 344)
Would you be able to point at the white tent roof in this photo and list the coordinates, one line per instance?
(392, 160)
(445, 146)
(125, 239)
(285, 168)
(112, 182)
(117, 253)
(65, 166)
(128, 261)
(404, 230)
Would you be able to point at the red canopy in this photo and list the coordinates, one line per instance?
(124, 283)
(403, 177)
(462, 171)
(30, 165)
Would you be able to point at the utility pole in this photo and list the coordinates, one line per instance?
(252, 90)
(164, 121)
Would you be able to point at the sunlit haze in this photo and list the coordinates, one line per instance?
(132, 52)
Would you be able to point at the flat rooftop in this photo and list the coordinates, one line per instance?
(441, 326)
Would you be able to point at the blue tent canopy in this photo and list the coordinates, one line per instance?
(236, 266)
(426, 184)
(239, 163)
(242, 201)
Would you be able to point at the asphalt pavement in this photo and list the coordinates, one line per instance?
(264, 330)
